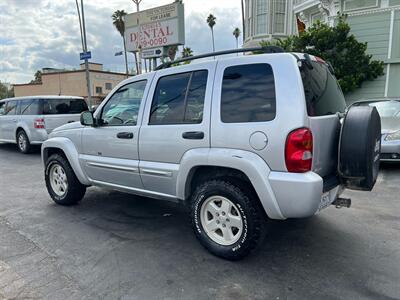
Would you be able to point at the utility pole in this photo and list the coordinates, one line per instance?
(138, 55)
(84, 45)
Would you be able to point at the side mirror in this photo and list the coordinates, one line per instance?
(94, 107)
(87, 118)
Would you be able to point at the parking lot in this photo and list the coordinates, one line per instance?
(118, 246)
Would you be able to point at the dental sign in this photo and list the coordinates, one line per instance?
(157, 27)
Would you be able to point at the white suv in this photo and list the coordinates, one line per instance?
(237, 139)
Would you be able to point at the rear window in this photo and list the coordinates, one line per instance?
(323, 93)
(248, 94)
(63, 106)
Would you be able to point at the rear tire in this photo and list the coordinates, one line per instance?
(61, 181)
(23, 144)
(227, 218)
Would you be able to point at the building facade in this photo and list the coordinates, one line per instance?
(72, 82)
(376, 22)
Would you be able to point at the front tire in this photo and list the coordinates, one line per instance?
(61, 181)
(23, 144)
(227, 218)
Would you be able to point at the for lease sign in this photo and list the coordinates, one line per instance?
(157, 27)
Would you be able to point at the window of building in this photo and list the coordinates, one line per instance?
(99, 90)
(248, 94)
(108, 86)
(179, 99)
(123, 106)
(279, 16)
(262, 16)
(29, 107)
(359, 4)
(11, 108)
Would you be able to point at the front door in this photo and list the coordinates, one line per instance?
(176, 120)
(9, 121)
(110, 150)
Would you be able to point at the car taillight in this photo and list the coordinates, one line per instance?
(299, 149)
(38, 123)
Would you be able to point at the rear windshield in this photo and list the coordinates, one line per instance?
(323, 94)
(63, 106)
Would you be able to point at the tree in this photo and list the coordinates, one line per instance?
(5, 92)
(236, 34)
(211, 23)
(118, 21)
(38, 77)
(187, 52)
(336, 45)
(172, 52)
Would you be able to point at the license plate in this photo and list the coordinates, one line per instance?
(325, 201)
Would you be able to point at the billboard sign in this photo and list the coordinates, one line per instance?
(157, 27)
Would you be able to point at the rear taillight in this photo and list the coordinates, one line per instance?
(299, 149)
(38, 123)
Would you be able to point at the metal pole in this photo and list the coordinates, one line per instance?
(86, 60)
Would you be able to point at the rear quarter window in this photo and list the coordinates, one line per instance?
(248, 94)
(322, 92)
(63, 106)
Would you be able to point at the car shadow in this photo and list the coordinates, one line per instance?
(8, 147)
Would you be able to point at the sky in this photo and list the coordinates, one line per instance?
(35, 34)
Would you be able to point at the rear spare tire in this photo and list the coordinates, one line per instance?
(360, 147)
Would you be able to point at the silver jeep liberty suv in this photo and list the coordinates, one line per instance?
(240, 140)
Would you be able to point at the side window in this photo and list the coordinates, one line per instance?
(248, 94)
(179, 99)
(2, 108)
(63, 106)
(29, 107)
(11, 107)
(123, 106)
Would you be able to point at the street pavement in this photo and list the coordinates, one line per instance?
(118, 246)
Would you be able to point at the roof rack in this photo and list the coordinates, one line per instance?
(266, 49)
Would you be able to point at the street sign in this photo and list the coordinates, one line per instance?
(156, 27)
(152, 53)
(85, 55)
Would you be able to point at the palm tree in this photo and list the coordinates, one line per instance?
(211, 22)
(118, 21)
(236, 34)
(187, 52)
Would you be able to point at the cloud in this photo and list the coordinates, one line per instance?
(37, 34)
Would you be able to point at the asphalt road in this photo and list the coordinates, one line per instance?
(118, 246)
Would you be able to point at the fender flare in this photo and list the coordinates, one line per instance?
(252, 165)
(24, 128)
(68, 147)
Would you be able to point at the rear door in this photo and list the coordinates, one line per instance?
(59, 111)
(175, 121)
(324, 100)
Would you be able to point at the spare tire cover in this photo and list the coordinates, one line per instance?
(360, 147)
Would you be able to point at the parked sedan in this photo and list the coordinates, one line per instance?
(389, 110)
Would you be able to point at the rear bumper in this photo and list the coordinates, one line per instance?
(390, 151)
(301, 195)
(38, 136)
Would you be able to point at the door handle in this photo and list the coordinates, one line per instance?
(125, 135)
(193, 135)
